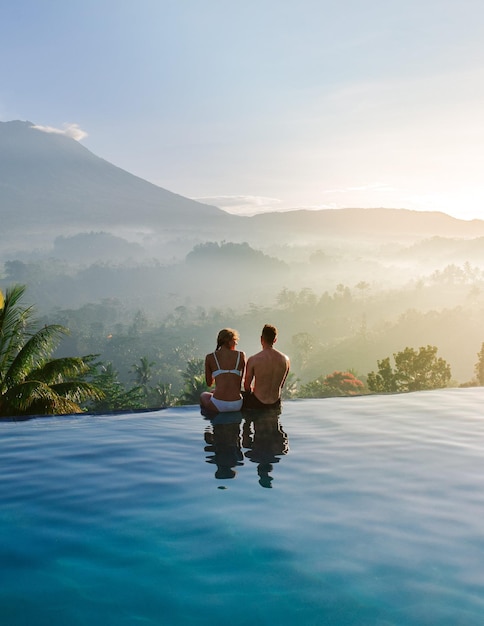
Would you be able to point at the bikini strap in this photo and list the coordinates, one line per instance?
(216, 360)
(238, 359)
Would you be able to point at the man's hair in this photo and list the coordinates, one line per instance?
(269, 333)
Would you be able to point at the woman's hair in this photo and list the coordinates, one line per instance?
(226, 335)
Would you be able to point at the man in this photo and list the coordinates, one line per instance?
(266, 373)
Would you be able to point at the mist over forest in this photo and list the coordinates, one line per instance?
(135, 271)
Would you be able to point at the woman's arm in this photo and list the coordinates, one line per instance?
(208, 371)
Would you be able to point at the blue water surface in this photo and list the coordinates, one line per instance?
(365, 510)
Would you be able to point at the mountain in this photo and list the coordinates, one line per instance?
(368, 224)
(51, 186)
(51, 183)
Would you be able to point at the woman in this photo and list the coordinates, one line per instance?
(225, 367)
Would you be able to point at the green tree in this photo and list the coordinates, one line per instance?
(31, 382)
(163, 395)
(115, 396)
(414, 371)
(194, 377)
(302, 346)
(143, 374)
(385, 380)
(479, 369)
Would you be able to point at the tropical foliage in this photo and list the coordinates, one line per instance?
(145, 363)
(194, 377)
(414, 371)
(290, 389)
(31, 382)
(115, 397)
(335, 384)
(479, 369)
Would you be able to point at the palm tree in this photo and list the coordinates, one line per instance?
(31, 383)
(143, 374)
(194, 377)
(116, 397)
(163, 395)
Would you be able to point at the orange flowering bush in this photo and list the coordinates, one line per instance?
(335, 384)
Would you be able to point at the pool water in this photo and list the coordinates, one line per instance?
(366, 510)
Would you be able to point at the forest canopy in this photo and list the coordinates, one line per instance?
(337, 309)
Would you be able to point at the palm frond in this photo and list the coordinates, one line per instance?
(34, 353)
(56, 406)
(30, 381)
(60, 370)
(34, 397)
(18, 399)
(194, 387)
(78, 391)
(13, 323)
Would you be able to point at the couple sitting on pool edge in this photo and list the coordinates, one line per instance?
(262, 377)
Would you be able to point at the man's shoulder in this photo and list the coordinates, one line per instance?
(268, 355)
(255, 357)
(281, 355)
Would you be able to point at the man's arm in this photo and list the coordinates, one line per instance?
(288, 366)
(249, 374)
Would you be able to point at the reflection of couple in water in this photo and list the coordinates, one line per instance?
(262, 437)
(223, 439)
(266, 441)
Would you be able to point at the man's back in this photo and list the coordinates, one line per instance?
(268, 368)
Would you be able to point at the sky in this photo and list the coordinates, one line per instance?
(262, 105)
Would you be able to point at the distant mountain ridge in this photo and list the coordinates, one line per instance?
(51, 185)
(370, 223)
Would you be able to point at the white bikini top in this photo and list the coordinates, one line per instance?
(220, 371)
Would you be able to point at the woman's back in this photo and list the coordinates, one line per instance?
(226, 368)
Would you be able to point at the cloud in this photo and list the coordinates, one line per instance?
(69, 130)
(253, 205)
(242, 205)
(370, 187)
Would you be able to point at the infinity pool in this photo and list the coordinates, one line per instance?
(364, 510)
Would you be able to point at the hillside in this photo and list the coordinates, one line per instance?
(51, 186)
(400, 224)
(50, 183)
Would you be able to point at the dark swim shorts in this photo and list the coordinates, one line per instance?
(252, 402)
